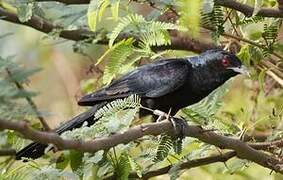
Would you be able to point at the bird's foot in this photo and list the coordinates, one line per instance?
(180, 126)
(161, 115)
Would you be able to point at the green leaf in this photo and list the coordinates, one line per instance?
(96, 9)
(124, 22)
(237, 165)
(244, 55)
(164, 147)
(151, 32)
(118, 55)
(24, 11)
(104, 4)
(214, 20)
(20, 75)
(204, 111)
(76, 159)
(92, 14)
(109, 109)
(256, 54)
(88, 85)
(135, 166)
(124, 167)
(62, 161)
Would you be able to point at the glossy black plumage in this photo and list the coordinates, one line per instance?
(171, 83)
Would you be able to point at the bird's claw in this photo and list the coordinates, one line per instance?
(179, 126)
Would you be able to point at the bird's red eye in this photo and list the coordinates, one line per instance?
(225, 62)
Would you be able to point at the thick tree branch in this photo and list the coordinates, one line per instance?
(267, 145)
(185, 165)
(243, 150)
(47, 27)
(178, 42)
(189, 164)
(248, 10)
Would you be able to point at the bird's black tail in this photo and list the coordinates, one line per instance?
(36, 150)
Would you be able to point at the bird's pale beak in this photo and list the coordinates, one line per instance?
(242, 70)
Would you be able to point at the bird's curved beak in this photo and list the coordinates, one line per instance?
(242, 70)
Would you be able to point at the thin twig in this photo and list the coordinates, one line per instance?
(7, 152)
(30, 102)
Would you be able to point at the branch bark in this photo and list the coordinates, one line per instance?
(185, 165)
(248, 10)
(242, 149)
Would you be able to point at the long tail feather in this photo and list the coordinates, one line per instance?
(36, 150)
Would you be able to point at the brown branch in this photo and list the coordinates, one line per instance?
(178, 42)
(243, 150)
(47, 27)
(7, 152)
(204, 161)
(267, 145)
(30, 102)
(248, 10)
(185, 165)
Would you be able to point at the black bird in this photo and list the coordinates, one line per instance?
(163, 85)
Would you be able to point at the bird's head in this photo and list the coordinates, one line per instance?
(214, 67)
(220, 61)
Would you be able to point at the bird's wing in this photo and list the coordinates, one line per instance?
(151, 80)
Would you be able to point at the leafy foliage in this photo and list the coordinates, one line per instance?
(25, 11)
(129, 102)
(152, 33)
(166, 144)
(205, 110)
(118, 56)
(11, 97)
(113, 117)
(270, 33)
(214, 20)
(252, 105)
(164, 147)
(96, 10)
